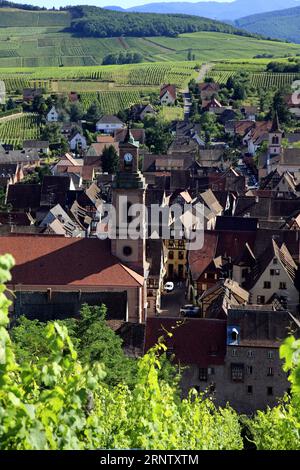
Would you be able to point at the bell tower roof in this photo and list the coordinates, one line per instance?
(275, 124)
(129, 139)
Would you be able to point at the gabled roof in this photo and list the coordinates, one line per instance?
(209, 86)
(193, 341)
(137, 134)
(24, 196)
(54, 190)
(223, 295)
(35, 144)
(80, 262)
(199, 260)
(168, 88)
(211, 201)
(261, 326)
(110, 119)
(274, 251)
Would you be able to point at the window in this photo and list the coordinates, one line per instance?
(203, 374)
(237, 372)
(171, 254)
(270, 372)
(260, 299)
(181, 255)
(250, 354)
(270, 354)
(249, 370)
(282, 285)
(250, 389)
(274, 272)
(269, 391)
(234, 353)
(275, 261)
(127, 251)
(267, 285)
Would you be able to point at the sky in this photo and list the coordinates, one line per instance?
(100, 3)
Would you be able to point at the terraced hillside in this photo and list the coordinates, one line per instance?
(48, 42)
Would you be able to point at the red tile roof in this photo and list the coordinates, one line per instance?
(194, 341)
(199, 260)
(46, 261)
(170, 88)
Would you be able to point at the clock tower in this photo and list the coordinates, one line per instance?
(129, 188)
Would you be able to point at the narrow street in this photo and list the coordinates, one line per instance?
(187, 100)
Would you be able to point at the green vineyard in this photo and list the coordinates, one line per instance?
(258, 80)
(178, 73)
(111, 102)
(16, 130)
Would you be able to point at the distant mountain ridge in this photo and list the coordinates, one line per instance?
(281, 24)
(215, 10)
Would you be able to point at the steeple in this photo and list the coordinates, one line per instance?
(129, 139)
(275, 124)
(275, 138)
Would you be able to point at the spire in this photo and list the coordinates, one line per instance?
(129, 139)
(275, 124)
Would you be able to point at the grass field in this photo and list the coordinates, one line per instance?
(47, 43)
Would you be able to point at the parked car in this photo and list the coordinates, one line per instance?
(169, 287)
(190, 311)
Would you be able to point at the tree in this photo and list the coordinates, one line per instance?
(94, 112)
(98, 343)
(158, 136)
(209, 127)
(38, 175)
(278, 428)
(76, 112)
(10, 104)
(110, 160)
(280, 106)
(51, 132)
(57, 403)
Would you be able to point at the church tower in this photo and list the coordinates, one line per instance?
(275, 138)
(129, 188)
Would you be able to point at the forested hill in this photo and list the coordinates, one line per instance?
(281, 24)
(98, 22)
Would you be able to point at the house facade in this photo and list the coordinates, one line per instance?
(78, 142)
(53, 115)
(109, 124)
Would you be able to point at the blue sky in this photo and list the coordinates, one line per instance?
(99, 3)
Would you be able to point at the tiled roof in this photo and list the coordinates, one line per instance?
(199, 260)
(261, 328)
(110, 119)
(63, 261)
(170, 88)
(24, 196)
(138, 135)
(194, 341)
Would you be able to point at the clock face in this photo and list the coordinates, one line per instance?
(128, 158)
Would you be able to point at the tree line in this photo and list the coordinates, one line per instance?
(97, 22)
(123, 58)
